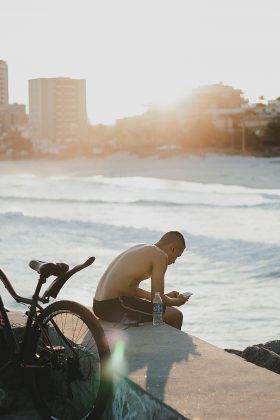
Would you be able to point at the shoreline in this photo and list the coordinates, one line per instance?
(248, 171)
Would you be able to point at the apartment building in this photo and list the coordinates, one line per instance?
(4, 91)
(13, 118)
(218, 96)
(57, 113)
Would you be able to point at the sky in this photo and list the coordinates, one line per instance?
(138, 53)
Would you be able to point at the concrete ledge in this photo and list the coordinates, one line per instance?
(163, 373)
(194, 378)
(132, 402)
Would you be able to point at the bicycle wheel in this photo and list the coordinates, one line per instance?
(71, 380)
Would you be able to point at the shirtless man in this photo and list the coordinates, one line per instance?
(118, 293)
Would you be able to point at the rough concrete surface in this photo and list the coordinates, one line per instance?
(195, 378)
(190, 376)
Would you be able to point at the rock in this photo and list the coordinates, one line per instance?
(266, 355)
(263, 357)
(272, 346)
(233, 351)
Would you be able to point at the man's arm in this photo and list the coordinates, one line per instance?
(157, 283)
(143, 294)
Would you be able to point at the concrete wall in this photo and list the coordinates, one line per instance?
(130, 402)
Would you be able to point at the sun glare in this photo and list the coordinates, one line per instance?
(142, 52)
(169, 101)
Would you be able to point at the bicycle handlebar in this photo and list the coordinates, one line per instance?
(59, 282)
(48, 269)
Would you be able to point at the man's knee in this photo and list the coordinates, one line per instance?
(179, 318)
(174, 317)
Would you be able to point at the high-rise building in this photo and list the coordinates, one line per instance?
(4, 92)
(57, 112)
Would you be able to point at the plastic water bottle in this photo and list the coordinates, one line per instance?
(157, 309)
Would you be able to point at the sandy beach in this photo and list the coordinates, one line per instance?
(255, 172)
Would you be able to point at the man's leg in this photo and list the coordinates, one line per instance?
(173, 317)
(109, 310)
(137, 308)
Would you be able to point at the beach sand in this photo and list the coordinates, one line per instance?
(255, 172)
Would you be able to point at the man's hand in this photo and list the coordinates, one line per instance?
(173, 294)
(174, 299)
(181, 299)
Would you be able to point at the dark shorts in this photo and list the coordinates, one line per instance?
(115, 310)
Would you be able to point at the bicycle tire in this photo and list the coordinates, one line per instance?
(70, 382)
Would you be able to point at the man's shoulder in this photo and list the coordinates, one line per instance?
(157, 254)
(150, 249)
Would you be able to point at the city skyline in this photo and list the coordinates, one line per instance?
(134, 54)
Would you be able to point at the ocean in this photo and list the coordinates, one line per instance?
(232, 231)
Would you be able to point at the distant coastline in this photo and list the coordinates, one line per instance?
(208, 168)
(162, 152)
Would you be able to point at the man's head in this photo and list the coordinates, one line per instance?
(173, 244)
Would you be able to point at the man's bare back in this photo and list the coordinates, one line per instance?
(127, 270)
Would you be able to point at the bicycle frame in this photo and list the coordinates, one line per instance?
(47, 347)
(19, 350)
(6, 329)
(16, 349)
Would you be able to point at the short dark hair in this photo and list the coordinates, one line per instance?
(173, 235)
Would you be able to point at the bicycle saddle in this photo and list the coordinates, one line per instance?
(48, 269)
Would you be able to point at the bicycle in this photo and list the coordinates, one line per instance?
(63, 351)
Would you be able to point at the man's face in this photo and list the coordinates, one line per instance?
(175, 252)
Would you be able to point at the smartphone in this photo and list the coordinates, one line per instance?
(187, 294)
